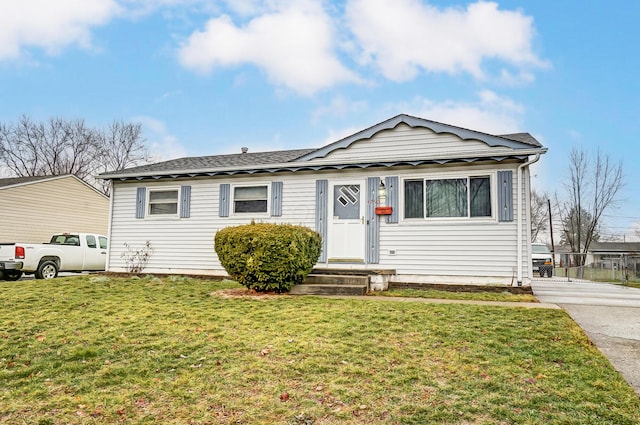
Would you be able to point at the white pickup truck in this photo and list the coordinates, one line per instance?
(66, 252)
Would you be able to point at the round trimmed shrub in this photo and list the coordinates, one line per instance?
(268, 257)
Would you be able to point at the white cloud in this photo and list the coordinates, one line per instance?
(162, 145)
(167, 95)
(50, 25)
(489, 113)
(293, 44)
(339, 107)
(404, 37)
(634, 232)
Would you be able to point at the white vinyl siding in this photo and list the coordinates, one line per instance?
(186, 246)
(433, 247)
(406, 143)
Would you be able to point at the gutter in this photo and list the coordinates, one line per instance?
(519, 217)
(308, 166)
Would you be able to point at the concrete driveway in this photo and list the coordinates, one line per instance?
(609, 314)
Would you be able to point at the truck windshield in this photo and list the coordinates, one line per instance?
(540, 249)
(65, 240)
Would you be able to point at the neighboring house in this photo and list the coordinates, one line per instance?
(615, 254)
(458, 199)
(33, 208)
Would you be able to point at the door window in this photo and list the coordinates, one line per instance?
(346, 205)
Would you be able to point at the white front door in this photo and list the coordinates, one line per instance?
(346, 241)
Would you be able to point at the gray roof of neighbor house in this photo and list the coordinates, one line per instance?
(523, 145)
(11, 181)
(613, 247)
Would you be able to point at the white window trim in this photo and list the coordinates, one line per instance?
(232, 205)
(445, 176)
(149, 216)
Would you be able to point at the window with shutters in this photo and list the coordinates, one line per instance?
(163, 202)
(460, 197)
(250, 199)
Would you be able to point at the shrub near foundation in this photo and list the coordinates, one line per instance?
(268, 257)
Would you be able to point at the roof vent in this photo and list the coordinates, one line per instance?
(244, 149)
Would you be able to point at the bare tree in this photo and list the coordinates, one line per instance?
(59, 146)
(594, 183)
(121, 146)
(539, 214)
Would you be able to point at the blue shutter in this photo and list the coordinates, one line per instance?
(372, 255)
(322, 209)
(141, 204)
(276, 199)
(225, 195)
(393, 199)
(185, 201)
(505, 195)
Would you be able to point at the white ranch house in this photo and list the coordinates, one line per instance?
(456, 203)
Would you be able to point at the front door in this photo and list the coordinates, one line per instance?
(346, 242)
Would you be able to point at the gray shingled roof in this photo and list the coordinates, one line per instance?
(523, 138)
(10, 181)
(220, 161)
(523, 144)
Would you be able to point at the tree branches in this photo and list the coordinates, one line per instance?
(592, 188)
(58, 146)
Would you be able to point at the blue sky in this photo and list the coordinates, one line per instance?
(208, 77)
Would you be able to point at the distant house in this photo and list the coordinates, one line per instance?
(455, 203)
(615, 254)
(33, 208)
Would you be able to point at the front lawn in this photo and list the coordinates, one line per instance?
(97, 349)
(449, 295)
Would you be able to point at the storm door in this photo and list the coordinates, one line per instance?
(347, 226)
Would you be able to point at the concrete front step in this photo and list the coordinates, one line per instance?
(332, 284)
(336, 279)
(325, 289)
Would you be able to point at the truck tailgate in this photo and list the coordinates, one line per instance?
(7, 251)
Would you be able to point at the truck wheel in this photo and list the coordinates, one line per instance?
(47, 270)
(12, 275)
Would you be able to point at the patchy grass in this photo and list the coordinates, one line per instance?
(95, 350)
(449, 295)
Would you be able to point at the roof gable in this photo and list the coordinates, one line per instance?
(487, 147)
(514, 141)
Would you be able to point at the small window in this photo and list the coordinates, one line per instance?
(163, 202)
(103, 242)
(414, 199)
(480, 196)
(91, 241)
(250, 199)
(65, 239)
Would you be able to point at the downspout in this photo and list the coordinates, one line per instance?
(519, 217)
(111, 196)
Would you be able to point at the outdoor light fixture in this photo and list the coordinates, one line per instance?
(381, 205)
(382, 194)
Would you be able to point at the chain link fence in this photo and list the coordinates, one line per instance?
(619, 268)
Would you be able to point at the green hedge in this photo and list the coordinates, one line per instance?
(268, 257)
